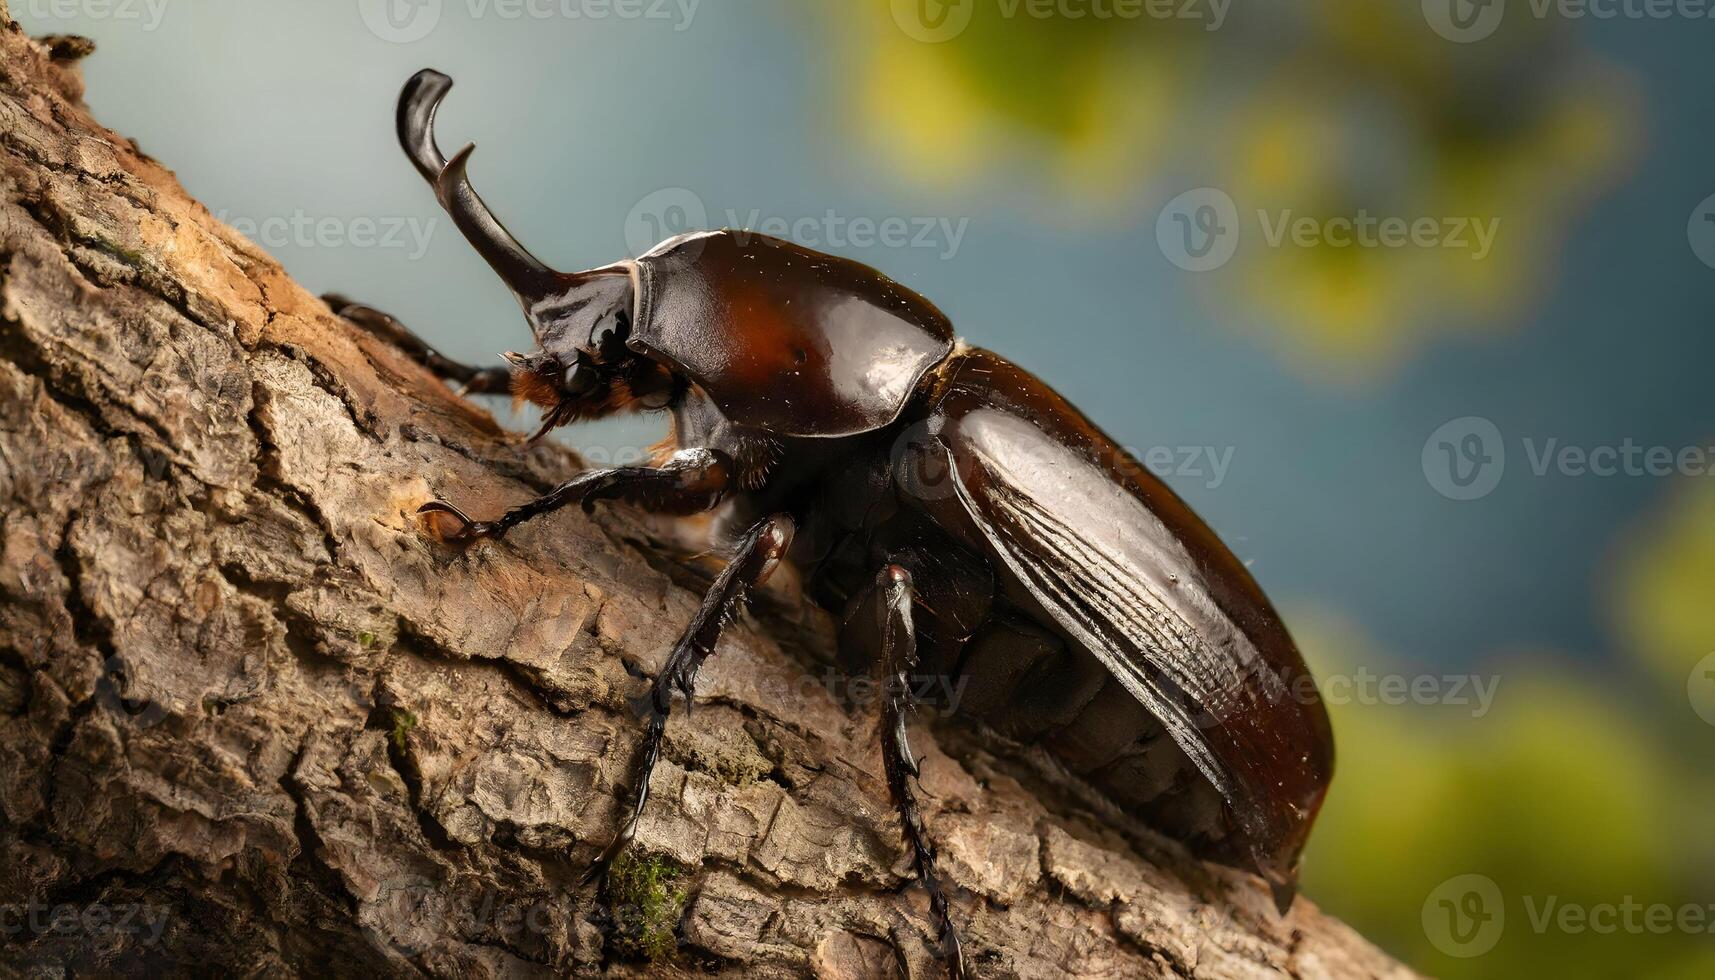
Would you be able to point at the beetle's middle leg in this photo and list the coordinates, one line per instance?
(471, 380)
(882, 627)
(758, 553)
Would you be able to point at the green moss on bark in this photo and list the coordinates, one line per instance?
(647, 896)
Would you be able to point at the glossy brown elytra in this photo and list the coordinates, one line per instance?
(961, 518)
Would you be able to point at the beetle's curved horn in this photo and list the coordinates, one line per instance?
(528, 277)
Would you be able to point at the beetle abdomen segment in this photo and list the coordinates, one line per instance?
(1023, 681)
(1112, 724)
(1025, 684)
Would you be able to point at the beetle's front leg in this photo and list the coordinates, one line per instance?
(691, 481)
(882, 627)
(758, 553)
(471, 380)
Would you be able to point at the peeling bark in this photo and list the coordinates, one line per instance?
(253, 719)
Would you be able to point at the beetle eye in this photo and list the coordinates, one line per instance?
(581, 379)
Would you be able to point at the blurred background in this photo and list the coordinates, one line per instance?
(1411, 300)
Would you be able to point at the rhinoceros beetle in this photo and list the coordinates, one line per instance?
(957, 515)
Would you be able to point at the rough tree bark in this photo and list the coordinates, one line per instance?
(254, 720)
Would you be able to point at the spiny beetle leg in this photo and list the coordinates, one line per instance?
(758, 553)
(471, 380)
(891, 595)
(691, 481)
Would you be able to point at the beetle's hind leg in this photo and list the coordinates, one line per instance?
(471, 380)
(884, 627)
(758, 553)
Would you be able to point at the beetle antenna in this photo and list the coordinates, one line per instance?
(421, 97)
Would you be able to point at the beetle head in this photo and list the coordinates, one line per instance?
(581, 367)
